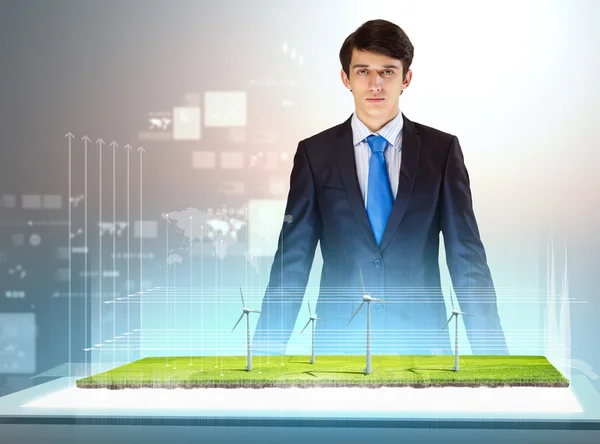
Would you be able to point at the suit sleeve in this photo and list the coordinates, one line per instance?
(293, 260)
(466, 259)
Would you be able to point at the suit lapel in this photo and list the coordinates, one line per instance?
(408, 172)
(344, 151)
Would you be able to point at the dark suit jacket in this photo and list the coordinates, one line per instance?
(325, 204)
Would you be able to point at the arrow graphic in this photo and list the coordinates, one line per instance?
(114, 144)
(100, 143)
(141, 150)
(70, 138)
(86, 140)
(128, 149)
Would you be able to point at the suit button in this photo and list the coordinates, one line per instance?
(377, 263)
(379, 306)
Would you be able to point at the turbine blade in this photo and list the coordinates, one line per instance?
(362, 281)
(309, 310)
(320, 319)
(383, 301)
(446, 324)
(451, 300)
(465, 314)
(305, 327)
(236, 324)
(255, 311)
(242, 296)
(356, 312)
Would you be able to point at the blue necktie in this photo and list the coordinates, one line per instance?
(379, 194)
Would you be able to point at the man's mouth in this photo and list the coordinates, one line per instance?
(375, 99)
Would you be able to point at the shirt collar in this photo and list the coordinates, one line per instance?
(392, 131)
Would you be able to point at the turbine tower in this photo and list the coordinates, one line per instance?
(455, 313)
(246, 311)
(313, 318)
(368, 299)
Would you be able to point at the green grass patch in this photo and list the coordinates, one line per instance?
(329, 371)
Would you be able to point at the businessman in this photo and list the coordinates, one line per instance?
(376, 191)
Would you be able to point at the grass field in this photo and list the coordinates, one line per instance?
(329, 371)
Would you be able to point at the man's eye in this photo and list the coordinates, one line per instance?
(389, 72)
(360, 71)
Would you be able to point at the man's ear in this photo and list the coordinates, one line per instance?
(345, 79)
(407, 79)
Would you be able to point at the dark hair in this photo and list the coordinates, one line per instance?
(381, 37)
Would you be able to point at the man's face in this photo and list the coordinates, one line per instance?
(376, 82)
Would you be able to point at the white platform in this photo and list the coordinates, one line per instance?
(61, 398)
(319, 400)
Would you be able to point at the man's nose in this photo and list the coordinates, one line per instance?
(375, 83)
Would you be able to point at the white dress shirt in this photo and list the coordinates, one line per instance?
(392, 132)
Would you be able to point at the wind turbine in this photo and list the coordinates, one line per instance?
(246, 311)
(368, 299)
(455, 312)
(313, 318)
